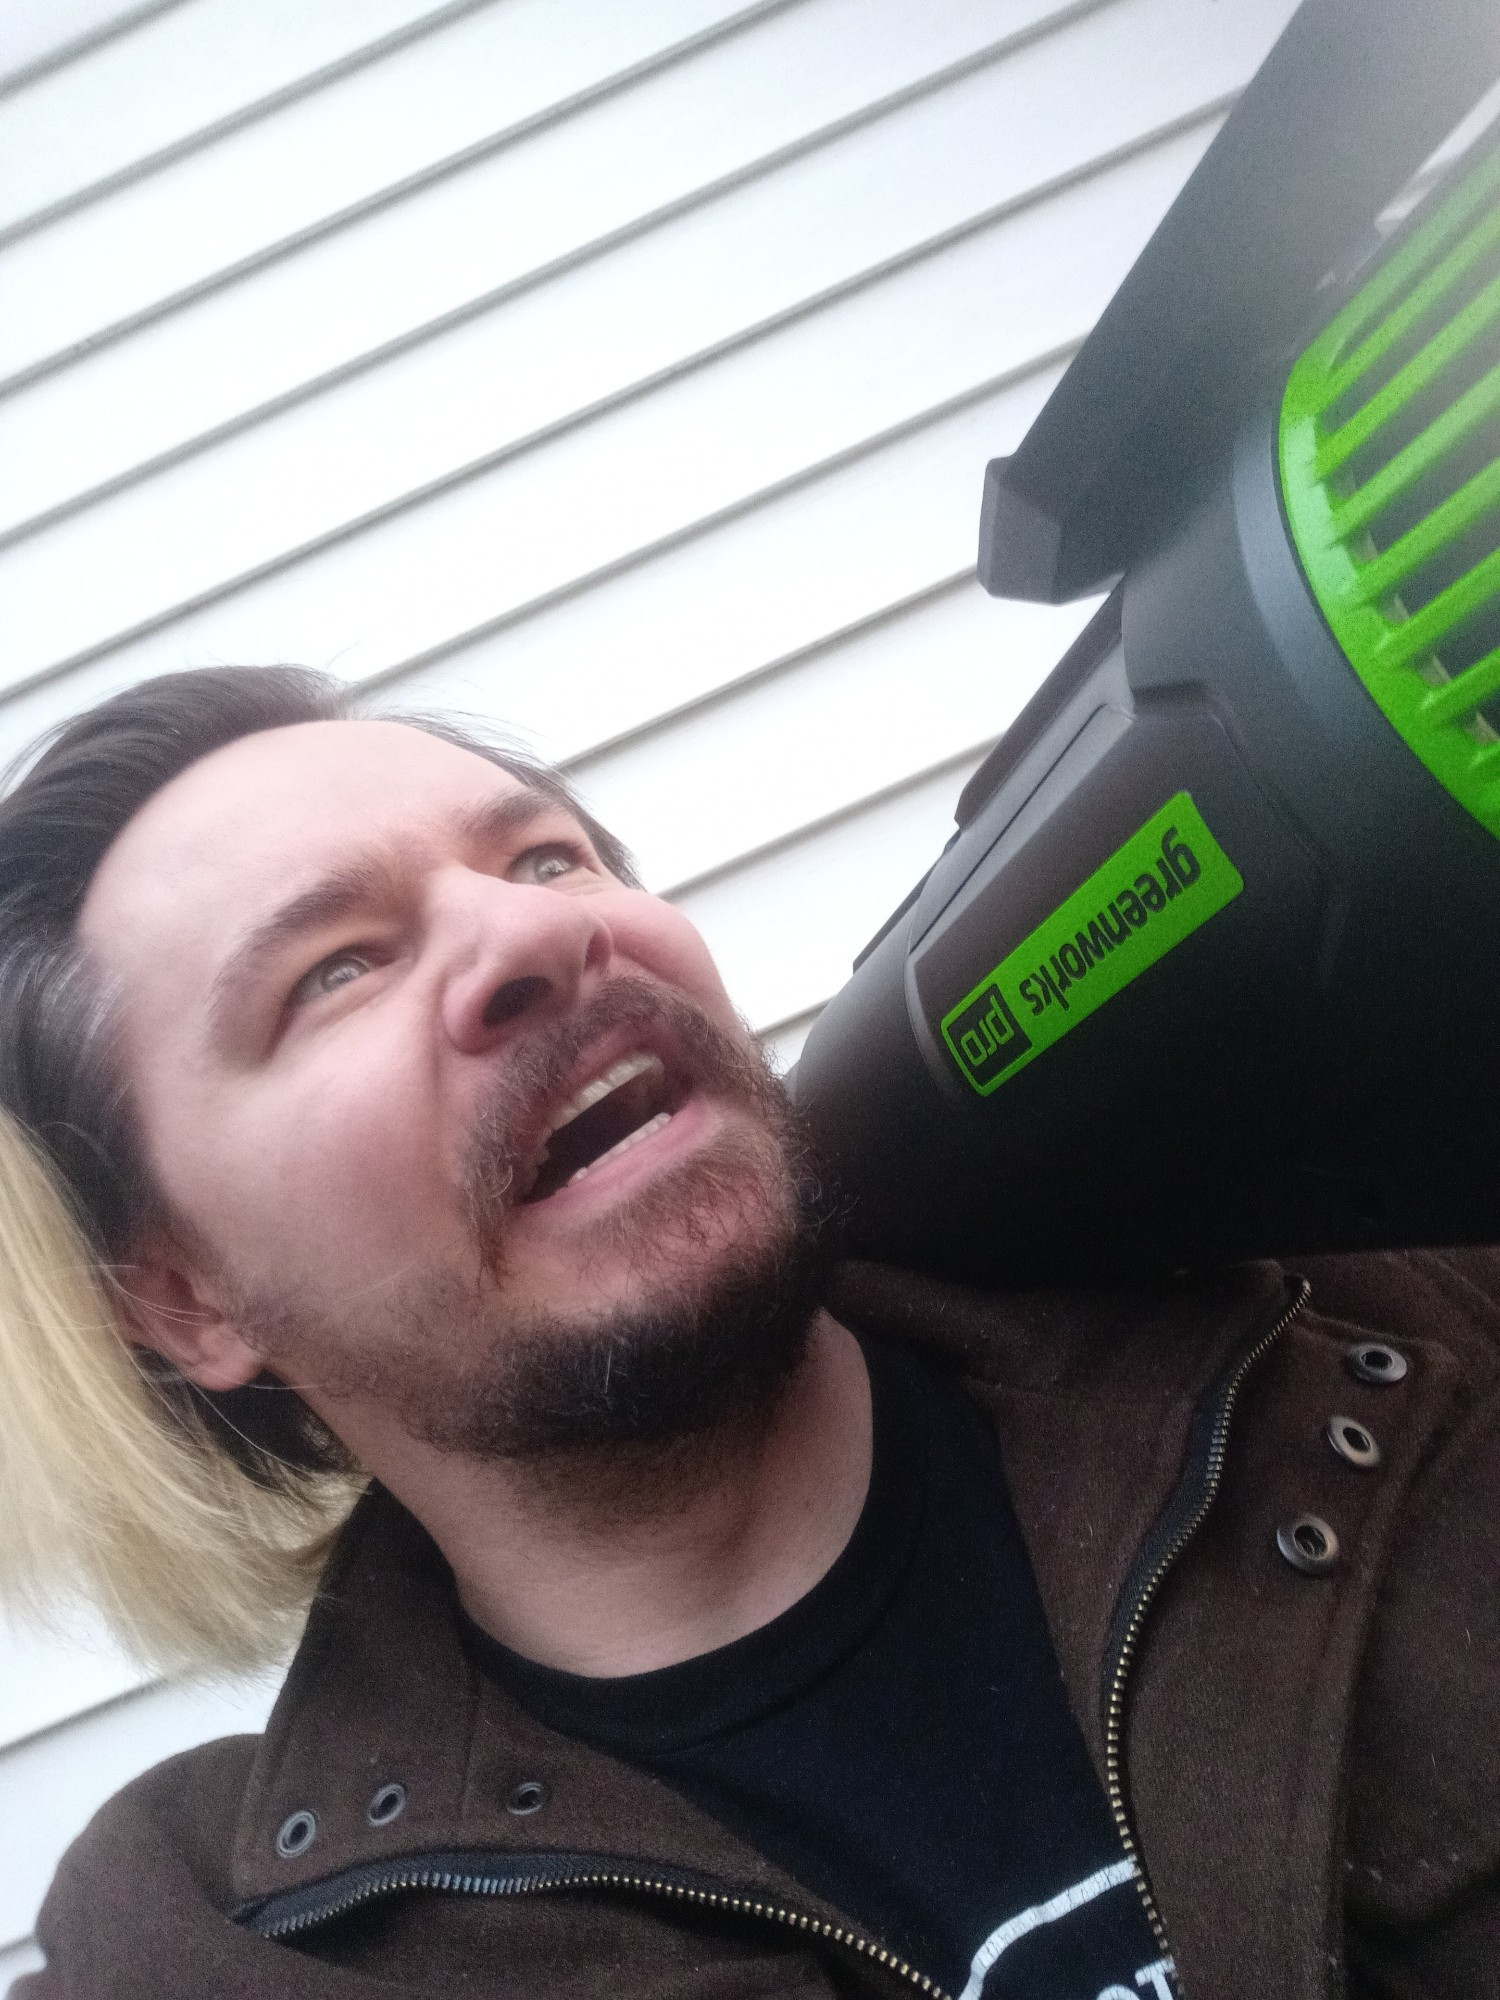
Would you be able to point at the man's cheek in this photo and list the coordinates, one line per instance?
(666, 945)
(340, 1191)
(371, 1175)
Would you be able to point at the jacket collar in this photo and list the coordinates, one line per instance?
(1093, 1394)
(1149, 1342)
(383, 1693)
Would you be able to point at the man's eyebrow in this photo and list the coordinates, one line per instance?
(337, 895)
(505, 815)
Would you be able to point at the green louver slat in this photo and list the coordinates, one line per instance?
(1437, 442)
(1425, 367)
(1351, 515)
(1452, 518)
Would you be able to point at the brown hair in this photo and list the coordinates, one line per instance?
(77, 1198)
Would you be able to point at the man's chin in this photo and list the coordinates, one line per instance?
(686, 1313)
(702, 1354)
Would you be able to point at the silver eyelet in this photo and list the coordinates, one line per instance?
(1372, 1361)
(1353, 1442)
(528, 1797)
(296, 1834)
(1308, 1544)
(386, 1805)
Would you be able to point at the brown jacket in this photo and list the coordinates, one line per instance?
(1310, 1763)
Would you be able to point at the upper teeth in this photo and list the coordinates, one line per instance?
(618, 1073)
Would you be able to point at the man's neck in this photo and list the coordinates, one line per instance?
(758, 1519)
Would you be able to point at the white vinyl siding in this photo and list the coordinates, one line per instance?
(625, 373)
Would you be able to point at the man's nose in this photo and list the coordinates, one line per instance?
(521, 954)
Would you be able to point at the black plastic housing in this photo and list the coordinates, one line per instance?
(1317, 1067)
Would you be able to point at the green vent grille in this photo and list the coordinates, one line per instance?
(1390, 473)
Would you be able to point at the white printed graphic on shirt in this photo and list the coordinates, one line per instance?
(1061, 1905)
(1157, 1976)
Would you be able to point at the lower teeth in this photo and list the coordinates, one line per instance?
(623, 1145)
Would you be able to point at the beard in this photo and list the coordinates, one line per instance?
(724, 1258)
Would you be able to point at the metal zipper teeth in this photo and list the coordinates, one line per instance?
(412, 1877)
(1114, 1728)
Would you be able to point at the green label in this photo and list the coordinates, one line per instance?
(1166, 880)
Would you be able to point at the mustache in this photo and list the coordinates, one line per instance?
(543, 1060)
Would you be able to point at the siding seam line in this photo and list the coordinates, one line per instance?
(573, 586)
(767, 672)
(705, 524)
(58, 58)
(644, 386)
(790, 1020)
(595, 250)
(284, 247)
(825, 822)
(64, 1722)
(290, 246)
(745, 504)
(275, 101)
(683, 365)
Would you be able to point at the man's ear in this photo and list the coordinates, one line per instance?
(170, 1312)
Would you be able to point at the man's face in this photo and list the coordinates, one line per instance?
(416, 1072)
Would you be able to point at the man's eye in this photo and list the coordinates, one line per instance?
(540, 865)
(341, 969)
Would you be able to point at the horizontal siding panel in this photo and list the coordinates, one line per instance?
(34, 33)
(459, 76)
(485, 389)
(747, 771)
(45, 1677)
(893, 521)
(52, 1784)
(982, 307)
(861, 201)
(174, 75)
(869, 196)
(564, 188)
(784, 929)
(16, 1959)
(787, 571)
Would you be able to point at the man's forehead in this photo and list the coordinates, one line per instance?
(249, 818)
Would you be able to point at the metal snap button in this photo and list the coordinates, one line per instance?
(1308, 1544)
(1353, 1442)
(296, 1834)
(386, 1804)
(528, 1797)
(1373, 1361)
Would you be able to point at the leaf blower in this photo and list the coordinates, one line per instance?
(1210, 967)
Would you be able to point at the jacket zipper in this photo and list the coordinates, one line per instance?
(302, 1909)
(1182, 1517)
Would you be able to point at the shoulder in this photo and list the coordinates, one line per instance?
(152, 1868)
(1157, 1337)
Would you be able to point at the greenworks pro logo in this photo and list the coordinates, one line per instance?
(1166, 880)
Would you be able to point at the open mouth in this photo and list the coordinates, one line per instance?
(614, 1111)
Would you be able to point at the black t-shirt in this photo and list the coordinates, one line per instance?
(900, 1739)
